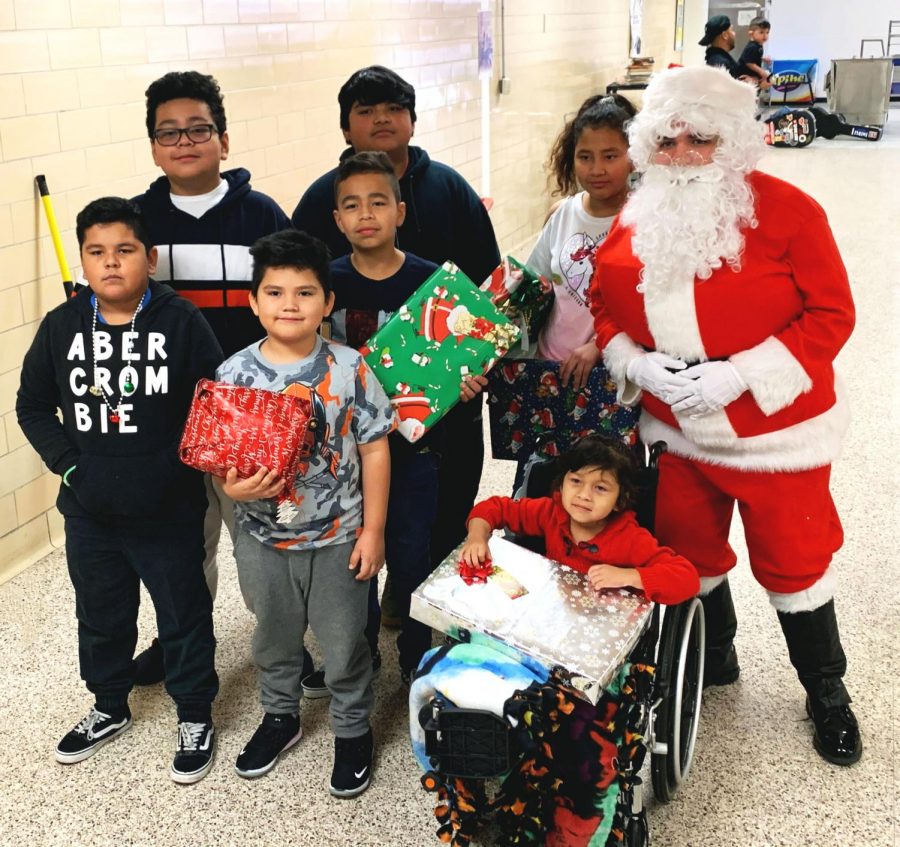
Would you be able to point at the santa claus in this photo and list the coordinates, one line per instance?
(720, 301)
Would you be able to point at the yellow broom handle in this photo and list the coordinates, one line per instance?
(68, 286)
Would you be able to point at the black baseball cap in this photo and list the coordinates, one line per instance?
(715, 26)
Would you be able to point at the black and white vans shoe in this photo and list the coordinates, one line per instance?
(194, 755)
(352, 765)
(90, 734)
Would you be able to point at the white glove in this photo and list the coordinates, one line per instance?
(712, 386)
(652, 372)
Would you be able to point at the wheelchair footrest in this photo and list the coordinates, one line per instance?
(465, 742)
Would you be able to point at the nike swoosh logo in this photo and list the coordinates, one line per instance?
(361, 774)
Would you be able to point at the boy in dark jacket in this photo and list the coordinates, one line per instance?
(202, 223)
(445, 219)
(120, 362)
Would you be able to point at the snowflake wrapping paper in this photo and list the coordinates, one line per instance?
(535, 607)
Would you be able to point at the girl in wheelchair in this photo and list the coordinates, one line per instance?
(587, 523)
(504, 733)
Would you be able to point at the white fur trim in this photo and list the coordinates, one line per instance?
(672, 319)
(713, 430)
(616, 356)
(708, 584)
(773, 374)
(818, 594)
(813, 443)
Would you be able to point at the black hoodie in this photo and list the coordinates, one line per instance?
(130, 469)
(207, 259)
(445, 219)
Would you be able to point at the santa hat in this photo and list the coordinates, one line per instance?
(707, 101)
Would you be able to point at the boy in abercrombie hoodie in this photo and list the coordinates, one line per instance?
(120, 362)
(202, 223)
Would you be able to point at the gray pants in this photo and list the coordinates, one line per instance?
(220, 507)
(288, 589)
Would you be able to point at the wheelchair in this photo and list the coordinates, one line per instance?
(658, 694)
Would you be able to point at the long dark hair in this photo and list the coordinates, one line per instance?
(610, 110)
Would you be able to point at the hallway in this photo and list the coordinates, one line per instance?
(756, 780)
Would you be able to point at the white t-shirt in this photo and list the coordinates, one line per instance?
(564, 253)
(197, 205)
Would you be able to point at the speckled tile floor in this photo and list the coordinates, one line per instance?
(756, 780)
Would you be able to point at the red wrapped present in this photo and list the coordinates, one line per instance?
(248, 429)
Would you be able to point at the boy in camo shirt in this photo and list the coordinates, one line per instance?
(306, 557)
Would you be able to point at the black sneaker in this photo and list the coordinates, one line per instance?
(194, 755)
(273, 736)
(90, 734)
(148, 666)
(352, 765)
(314, 687)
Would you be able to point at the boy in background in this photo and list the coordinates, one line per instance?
(120, 361)
(202, 222)
(445, 219)
(750, 63)
(306, 557)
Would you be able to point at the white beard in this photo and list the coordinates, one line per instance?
(687, 222)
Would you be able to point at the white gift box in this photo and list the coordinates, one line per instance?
(541, 609)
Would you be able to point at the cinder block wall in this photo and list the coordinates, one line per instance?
(72, 81)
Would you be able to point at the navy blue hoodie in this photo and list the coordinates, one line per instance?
(207, 259)
(130, 469)
(445, 219)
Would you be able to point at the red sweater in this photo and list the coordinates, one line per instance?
(667, 577)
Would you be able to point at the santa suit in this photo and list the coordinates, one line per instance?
(780, 320)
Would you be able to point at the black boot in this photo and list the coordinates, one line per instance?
(814, 645)
(721, 664)
(149, 667)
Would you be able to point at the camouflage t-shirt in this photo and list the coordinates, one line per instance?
(350, 408)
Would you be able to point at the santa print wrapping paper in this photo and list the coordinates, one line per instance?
(531, 411)
(523, 295)
(532, 606)
(448, 329)
(247, 429)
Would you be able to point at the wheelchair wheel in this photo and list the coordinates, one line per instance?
(680, 684)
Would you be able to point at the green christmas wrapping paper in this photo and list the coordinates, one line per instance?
(448, 329)
(523, 295)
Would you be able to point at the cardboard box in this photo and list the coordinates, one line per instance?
(536, 607)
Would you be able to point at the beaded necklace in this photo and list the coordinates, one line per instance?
(128, 372)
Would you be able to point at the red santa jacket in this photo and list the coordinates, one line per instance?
(780, 320)
(667, 577)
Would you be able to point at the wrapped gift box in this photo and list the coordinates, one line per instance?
(537, 609)
(532, 412)
(523, 295)
(247, 429)
(448, 329)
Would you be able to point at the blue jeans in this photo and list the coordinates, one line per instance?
(412, 509)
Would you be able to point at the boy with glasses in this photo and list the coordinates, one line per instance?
(202, 222)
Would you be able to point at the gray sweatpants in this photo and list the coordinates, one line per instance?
(220, 507)
(288, 589)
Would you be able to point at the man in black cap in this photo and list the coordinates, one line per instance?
(718, 39)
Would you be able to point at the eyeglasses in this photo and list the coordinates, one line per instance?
(198, 134)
